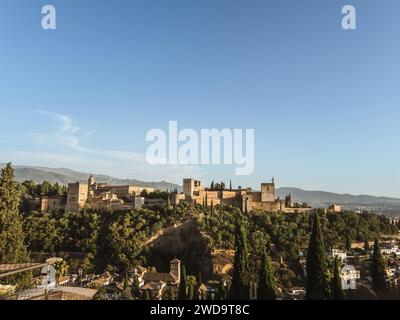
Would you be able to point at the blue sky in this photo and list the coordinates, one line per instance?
(324, 102)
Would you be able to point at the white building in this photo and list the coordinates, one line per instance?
(349, 276)
(392, 249)
(139, 202)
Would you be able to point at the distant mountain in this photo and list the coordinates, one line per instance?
(65, 176)
(383, 205)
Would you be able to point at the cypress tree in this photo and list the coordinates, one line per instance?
(378, 273)
(336, 284)
(348, 243)
(127, 292)
(212, 185)
(230, 185)
(12, 246)
(317, 286)
(147, 294)
(240, 282)
(135, 288)
(169, 206)
(212, 207)
(221, 291)
(191, 289)
(266, 284)
(196, 292)
(182, 285)
(366, 244)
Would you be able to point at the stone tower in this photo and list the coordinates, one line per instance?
(91, 180)
(268, 191)
(175, 269)
(91, 186)
(77, 195)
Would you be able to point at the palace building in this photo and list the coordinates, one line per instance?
(97, 196)
(246, 199)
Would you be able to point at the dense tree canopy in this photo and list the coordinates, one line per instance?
(12, 245)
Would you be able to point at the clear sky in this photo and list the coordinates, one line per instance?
(324, 102)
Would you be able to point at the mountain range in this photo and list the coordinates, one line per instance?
(65, 176)
(382, 205)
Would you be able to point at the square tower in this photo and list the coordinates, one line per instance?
(191, 186)
(188, 187)
(268, 192)
(77, 195)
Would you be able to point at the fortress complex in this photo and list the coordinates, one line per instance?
(97, 196)
(246, 199)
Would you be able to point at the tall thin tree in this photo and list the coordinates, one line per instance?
(182, 294)
(317, 285)
(267, 283)
(336, 283)
(378, 271)
(239, 289)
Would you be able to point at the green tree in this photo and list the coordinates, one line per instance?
(221, 291)
(12, 246)
(266, 285)
(168, 294)
(147, 294)
(61, 268)
(336, 283)
(135, 288)
(30, 187)
(240, 282)
(192, 285)
(169, 206)
(126, 293)
(182, 295)
(57, 189)
(317, 285)
(191, 289)
(378, 273)
(348, 242)
(46, 188)
(366, 244)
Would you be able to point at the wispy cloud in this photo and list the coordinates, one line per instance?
(67, 136)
